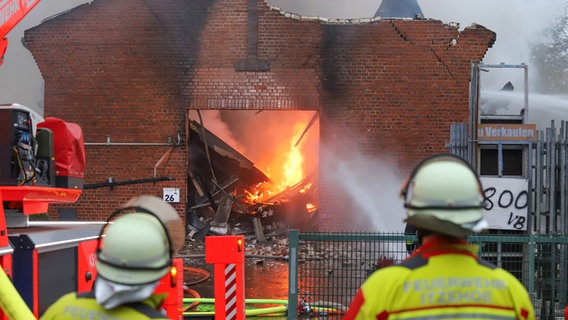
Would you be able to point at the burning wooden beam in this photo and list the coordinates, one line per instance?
(222, 185)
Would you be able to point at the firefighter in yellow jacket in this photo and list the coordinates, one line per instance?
(134, 255)
(444, 278)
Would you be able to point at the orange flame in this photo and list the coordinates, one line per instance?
(293, 170)
(311, 207)
(276, 152)
(289, 169)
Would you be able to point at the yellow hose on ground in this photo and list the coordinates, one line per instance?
(251, 312)
(11, 302)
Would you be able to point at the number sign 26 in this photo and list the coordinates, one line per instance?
(171, 195)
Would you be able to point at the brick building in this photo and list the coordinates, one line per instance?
(128, 72)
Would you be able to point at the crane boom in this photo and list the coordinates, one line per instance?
(11, 13)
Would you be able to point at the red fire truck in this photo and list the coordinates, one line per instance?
(42, 162)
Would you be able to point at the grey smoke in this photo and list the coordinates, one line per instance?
(372, 184)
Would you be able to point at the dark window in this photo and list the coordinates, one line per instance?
(502, 121)
(512, 162)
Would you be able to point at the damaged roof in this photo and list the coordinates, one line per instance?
(213, 159)
(399, 9)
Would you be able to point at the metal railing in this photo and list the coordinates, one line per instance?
(546, 162)
(326, 269)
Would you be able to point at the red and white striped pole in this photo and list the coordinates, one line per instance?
(231, 291)
(228, 256)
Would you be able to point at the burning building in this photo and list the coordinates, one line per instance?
(275, 191)
(136, 70)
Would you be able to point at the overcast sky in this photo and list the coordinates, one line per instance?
(20, 79)
(516, 22)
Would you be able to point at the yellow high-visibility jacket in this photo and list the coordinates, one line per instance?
(442, 280)
(78, 306)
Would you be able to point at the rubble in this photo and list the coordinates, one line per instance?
(274, 247)
(223, 186)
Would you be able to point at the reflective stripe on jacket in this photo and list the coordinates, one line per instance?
(84, 306)
(442, 280)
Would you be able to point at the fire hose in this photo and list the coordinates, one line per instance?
(11, 302)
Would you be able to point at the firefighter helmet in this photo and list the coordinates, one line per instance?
(444, 194)
(135, 250)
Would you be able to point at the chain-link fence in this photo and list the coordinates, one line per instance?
(326, 269)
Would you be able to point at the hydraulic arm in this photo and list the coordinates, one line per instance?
(11, 13)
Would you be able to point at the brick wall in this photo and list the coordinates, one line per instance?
(386, 89)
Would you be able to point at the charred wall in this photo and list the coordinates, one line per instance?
(131, 69)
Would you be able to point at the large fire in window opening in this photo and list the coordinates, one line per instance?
(252, 171)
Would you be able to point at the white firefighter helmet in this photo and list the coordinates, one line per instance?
(445, 195)
(135, 250)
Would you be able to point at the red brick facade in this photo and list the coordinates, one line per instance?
(131, 69)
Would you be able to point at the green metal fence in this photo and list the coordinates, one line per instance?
(326, 269)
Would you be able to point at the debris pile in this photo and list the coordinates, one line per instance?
(225, 191)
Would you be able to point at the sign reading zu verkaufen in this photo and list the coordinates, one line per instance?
(504, 132)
